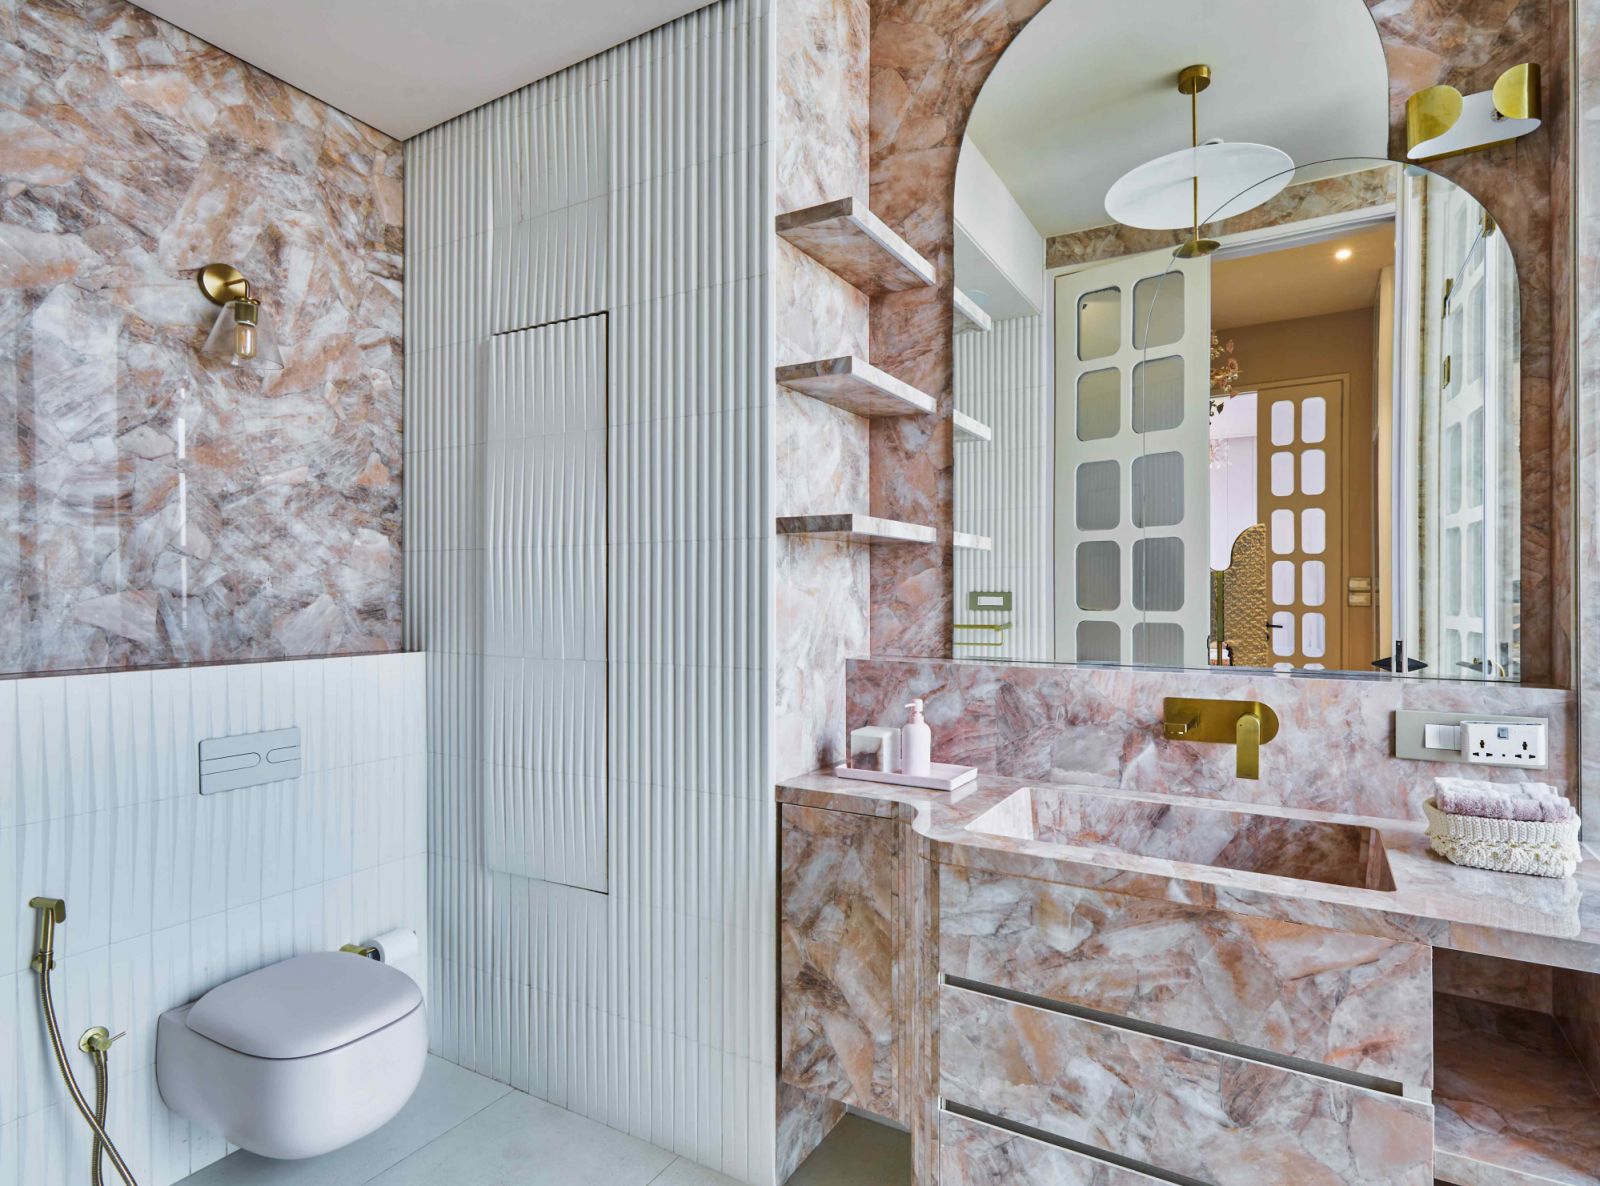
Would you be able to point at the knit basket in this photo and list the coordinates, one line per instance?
(1505, 845)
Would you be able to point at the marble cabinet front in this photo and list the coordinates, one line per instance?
(840, 919)
(1177, 1108)
(1355, 1002)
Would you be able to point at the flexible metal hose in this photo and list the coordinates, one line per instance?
(89, 1118)
(102, 1097)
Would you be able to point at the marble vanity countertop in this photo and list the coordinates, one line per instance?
(1535, 919)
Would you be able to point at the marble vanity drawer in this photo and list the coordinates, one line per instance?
(1355, 1002)
(972, 1153)
(1178, 1108)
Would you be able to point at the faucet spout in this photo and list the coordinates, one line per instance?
(1247, 742)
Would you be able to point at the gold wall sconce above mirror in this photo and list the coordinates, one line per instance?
(1442, 122)
(241, 335)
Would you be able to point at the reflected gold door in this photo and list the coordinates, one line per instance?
(1300, 493)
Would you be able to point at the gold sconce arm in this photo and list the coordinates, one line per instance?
(1245, 724)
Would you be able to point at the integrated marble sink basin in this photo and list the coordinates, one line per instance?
(1248, 841)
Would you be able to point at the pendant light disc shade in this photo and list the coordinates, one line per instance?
(1159, 195)
(243, 338)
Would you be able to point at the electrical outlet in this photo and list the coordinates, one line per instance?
(1443, 737)
(1502, 743)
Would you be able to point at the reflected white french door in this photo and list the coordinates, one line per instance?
(1132, 387)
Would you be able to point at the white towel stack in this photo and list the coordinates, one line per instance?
(1509, 827)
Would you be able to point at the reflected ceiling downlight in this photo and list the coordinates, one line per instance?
(1225, 178)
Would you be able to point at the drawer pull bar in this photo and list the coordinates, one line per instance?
(1078, 1147)
(1183, 1037)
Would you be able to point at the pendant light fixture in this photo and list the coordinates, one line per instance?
(1224, 178)
(241, 334)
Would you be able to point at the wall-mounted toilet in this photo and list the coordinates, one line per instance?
(297, 1058)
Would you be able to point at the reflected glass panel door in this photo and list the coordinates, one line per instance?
(1132, 344)
(1300, 492)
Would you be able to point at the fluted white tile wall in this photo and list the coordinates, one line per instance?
(635, 185)
(169, 893)
(1002, 486)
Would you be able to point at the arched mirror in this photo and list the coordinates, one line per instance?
(1259, 406)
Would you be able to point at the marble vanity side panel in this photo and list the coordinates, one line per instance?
(1351, 1001)
(1178, 1108)
(162, 507)
(839, 917)
(930, 58)
(1586, 136)
(1102, 726)
(972, 1153)
(1498, 981)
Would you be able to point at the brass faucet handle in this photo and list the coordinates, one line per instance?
(1247, 740)
(56, 906)
(97, 1039)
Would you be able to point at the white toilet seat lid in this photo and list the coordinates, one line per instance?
(305, 1005)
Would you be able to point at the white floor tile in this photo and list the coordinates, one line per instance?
(687, 1173)
(446, 1096)
(521, 1141)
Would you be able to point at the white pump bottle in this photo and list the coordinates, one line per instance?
(916, 744)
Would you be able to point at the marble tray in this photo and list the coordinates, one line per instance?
(940, 776)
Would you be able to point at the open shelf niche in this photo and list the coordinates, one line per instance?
(1512, 1104)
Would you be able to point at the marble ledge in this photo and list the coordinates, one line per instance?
(969, 428)
(1538, 920)
(856, 529)
(969, 315)
(856, 386)
(857, 246)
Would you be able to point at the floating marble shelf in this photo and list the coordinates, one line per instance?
(969, 542)
(1512, 1104)
(859, 529)
(969, 315)
(856, 386)
(854, 244)
(968, 429)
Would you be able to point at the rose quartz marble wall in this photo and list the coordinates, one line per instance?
(929, 60)
(821, 452)
(161, 508)
(1102, 726)
(1578, 997)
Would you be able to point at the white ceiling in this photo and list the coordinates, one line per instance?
(404, 65)
(1088, 91)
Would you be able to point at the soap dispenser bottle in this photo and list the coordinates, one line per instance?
(916, 744)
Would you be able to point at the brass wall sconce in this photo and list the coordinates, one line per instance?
(1442, 122)
(241, 335)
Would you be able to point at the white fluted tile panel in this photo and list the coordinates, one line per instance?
(1003, 488)
(169, 893)
(634, 185)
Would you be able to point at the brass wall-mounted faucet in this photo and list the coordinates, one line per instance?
(1247, 724)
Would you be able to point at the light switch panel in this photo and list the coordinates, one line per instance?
(249, 759)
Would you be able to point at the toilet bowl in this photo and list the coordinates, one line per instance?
(297, 1058)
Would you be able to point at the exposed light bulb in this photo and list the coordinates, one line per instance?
(244, 341)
